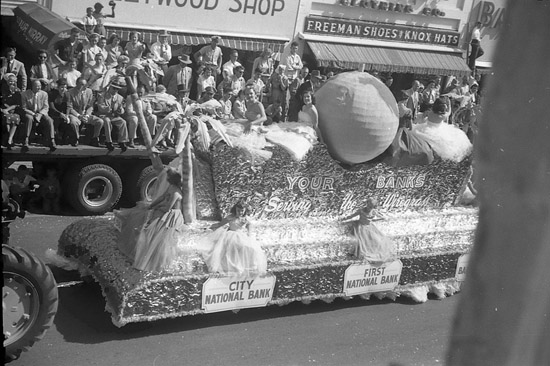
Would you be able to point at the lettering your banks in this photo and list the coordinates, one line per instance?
(261, 7)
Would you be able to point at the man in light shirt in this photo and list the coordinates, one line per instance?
(162, 51)
(230, 65)
(293, 62)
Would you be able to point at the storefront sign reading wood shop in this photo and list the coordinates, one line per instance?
(386, 32)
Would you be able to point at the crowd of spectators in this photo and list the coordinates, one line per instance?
(76, 91)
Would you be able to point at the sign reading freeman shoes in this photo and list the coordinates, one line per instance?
(381, 31)
(230, 293)
(367, 278)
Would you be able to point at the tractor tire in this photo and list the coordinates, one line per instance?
(29, 299)
(94, 189)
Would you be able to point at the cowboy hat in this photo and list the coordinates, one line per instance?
(216, 38)
(184, 59)
(164, 33)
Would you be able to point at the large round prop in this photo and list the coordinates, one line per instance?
(358, 116)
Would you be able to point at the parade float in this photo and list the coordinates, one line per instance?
(296, 209)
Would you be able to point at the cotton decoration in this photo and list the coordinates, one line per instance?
(358, 116)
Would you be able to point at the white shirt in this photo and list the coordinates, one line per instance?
(476, 34)
(161, 51)
(228, 67)
(293, 65)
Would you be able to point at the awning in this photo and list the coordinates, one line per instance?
(388, 59)
(189, 39)
(38, 27)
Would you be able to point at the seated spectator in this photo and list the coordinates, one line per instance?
(257, 83)
(50, 192)
(134, 49)
(152, 71)
(67, 50)
(237, 80)
(205, 80)
(110, 108)
(90, 51)
(229, 67)
(255, 112)
(239, 106)
(43, 71)
(35, 105)
(224, 84)
(102, 44)
(118, 71)
(113, 50)
(94, 75)
(264, 62)
(274, 113)
(227, 106)
(80, 106)
(132, 120)
(58, 98)
(89, 21)
(71, 74)
(11, 108)
(100, 17)
(12, 66)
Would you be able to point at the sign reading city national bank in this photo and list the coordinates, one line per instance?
(387, 32)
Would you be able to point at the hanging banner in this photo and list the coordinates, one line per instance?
(367, 278)
(231, 293)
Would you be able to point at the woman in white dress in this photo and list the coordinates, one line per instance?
(447, 141)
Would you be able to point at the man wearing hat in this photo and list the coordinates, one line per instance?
(110, 108)
(278, 85)
(162, 51)
(179, 75)
(100, 17)
(211, 54)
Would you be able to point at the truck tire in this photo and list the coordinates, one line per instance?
(29, 298)
(94, 189)
(146, 181)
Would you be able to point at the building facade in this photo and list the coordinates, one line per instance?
(395, 36)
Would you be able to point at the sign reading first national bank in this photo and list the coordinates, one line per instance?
(380, 31)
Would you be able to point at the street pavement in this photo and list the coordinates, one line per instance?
(352, 332)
